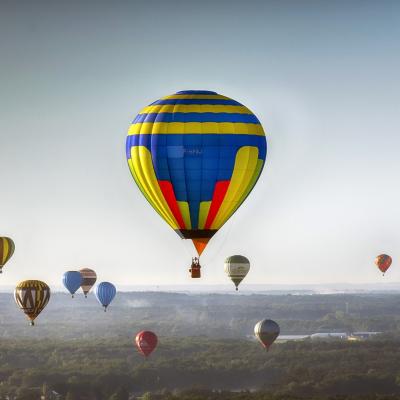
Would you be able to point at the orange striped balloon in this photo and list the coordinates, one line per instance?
(383, 262)
(89, 278)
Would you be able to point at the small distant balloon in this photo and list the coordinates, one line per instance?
(266, 331)
(237, 267)
(146, 342)
(32, 297)
(383, 262)
(89, 278)
(72, 281)
(7, 248)
(105, 293)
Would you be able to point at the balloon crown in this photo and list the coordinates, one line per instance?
(196, 92)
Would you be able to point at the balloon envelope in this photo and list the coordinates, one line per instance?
(266, 331)
(237, 267)
(105, 293)
(32, 297)
(383, 262)
(89, 278)
(196, 155)
(7, 248)
(146, 342)
(72, 281)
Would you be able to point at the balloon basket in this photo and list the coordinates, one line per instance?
(195, 272)
(195, 268)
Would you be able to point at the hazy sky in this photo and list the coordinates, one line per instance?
(322, 76)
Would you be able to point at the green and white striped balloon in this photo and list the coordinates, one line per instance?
(237, 267)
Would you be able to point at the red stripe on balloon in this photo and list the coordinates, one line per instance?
(169, 195)
(219, 193)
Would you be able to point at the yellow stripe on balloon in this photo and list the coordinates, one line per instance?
(195, 108)
(6, 250)
(203, 213)
(243, 172)
(135, 178)
(143, 183)
(3, 253)
(141, 187)
(195, 128)
(144, 170)
(184, 209)
(250, 186)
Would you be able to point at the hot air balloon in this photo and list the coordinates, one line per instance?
(89, 278)
(7, 248)
(32, 297)
(196, 155)
(72, 281)
(237, 267)
(105, 292)
(383, 262)
(266, 331)
(146, 342)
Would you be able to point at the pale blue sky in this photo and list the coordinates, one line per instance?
(323, 78)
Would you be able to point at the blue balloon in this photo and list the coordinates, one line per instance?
(72, 280)
(105, 292)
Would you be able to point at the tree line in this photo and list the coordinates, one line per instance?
(186, 368)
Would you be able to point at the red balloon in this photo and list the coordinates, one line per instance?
(383, 262)
(146, 342)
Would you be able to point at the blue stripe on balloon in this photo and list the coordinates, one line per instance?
(128, 145)
(221, 102)
(196, 117)
(207, 139)
(168, 143)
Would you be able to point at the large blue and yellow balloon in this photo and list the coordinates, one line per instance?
(196, 155)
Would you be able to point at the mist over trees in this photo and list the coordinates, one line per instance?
(206, 349)
(216, 315)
